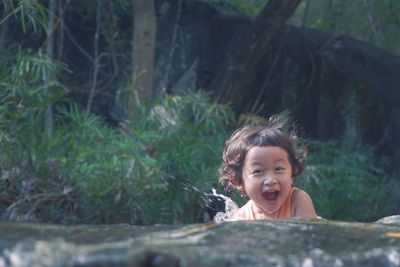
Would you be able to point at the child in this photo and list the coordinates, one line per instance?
(261, 162)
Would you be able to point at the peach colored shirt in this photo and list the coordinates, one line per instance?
(246, 212)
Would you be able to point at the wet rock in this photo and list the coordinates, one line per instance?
(293, 242)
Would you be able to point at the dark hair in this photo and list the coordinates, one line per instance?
(243, 139)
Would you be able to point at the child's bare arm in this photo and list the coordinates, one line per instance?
(303, 205)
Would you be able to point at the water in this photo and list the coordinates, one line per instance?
(222, 206)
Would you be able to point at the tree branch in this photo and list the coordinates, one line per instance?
(59, 19)
(249, 48)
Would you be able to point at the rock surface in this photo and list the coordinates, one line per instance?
(294, 242)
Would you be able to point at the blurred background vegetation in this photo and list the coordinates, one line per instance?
(375, 22)
(63, 163)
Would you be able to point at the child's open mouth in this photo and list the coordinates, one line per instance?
(271, 195)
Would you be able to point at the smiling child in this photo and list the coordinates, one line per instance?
(261, 161)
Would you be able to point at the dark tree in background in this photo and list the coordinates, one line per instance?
(248, 47)
(144, 43)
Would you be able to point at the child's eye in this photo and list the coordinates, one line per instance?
(279, 169)
(257, 172)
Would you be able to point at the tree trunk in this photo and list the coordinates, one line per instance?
(96, 56)
(48, 119)
(247, 48)
(143, 54)
(4, 26)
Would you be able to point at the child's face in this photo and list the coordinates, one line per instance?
(267, 178)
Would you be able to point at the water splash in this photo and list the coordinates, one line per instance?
(218, 207)
(230, 206)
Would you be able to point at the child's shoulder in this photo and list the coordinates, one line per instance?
(300, 195)
(302, 204)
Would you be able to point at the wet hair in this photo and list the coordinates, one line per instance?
(242, 140)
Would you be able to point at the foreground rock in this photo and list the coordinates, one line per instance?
(257, 243)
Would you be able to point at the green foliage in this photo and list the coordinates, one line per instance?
(24, 98)
(372, 21)
(153, 170)
(346, 185)
(24, 150)
(30, 13)
(191, 148)
(375, 22)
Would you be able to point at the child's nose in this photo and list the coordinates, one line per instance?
(269, 180)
